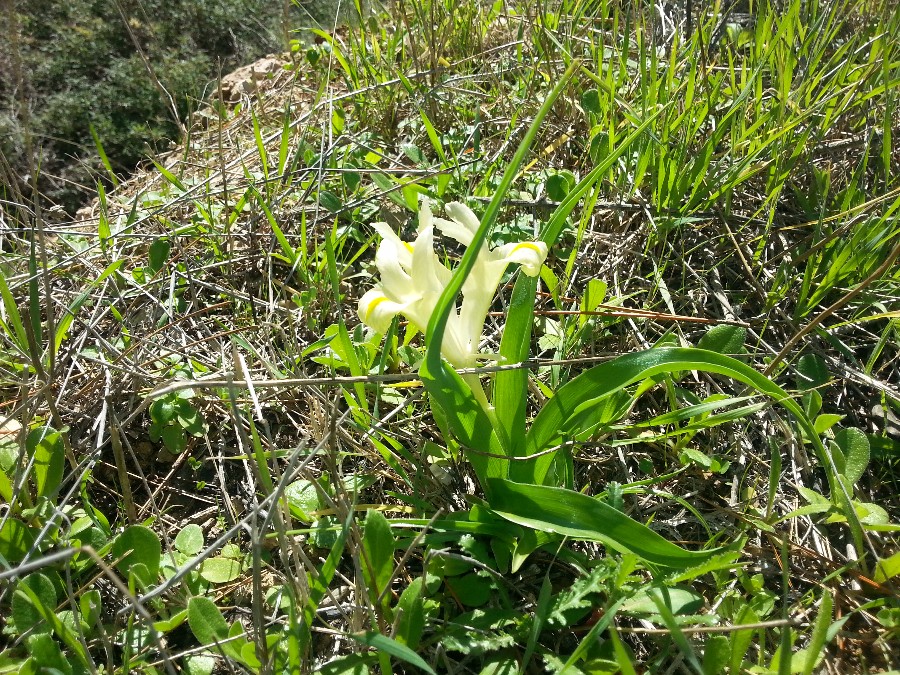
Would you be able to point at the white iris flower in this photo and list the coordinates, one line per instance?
(413, 278)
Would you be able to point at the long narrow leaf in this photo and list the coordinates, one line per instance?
(511, 386)
(602, 381)
(570, 513)
(445, 386)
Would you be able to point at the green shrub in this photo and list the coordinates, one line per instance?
(81, 67)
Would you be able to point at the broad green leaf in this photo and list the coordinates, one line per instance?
(90, 604)
(303, 498)
(138, 545)
(811, 372)
(887, 568)
(159, 252)
(16, 540)
(825, 421)
(190, 539)
(49, 618)
(220, 569)
(206, 621)
(579, 516)
(590, 101)
(557, 187)
(470, 589)
(854, 446)
(511, 386)
(174, 438)
(199, 664)
(467, 419)
(740, 640)
(24, 612)
(171, 623)
(47, 655)
(383, 643)
(677, 600)
(378, 554)
(724, 339)
(716, 652)
(46, 445)
(410, 614)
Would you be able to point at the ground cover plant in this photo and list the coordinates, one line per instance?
(124, 75)
(495, 338)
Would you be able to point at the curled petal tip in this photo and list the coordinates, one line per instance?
(463, 215)
(376, 310)
(529, 254)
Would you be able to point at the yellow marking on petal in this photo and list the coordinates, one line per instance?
(372, 306)
(409, 384)
(409, 247)
(528, 244)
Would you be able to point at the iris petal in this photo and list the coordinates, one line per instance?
(413, 278)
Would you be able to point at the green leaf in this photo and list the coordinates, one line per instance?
(573, 603)
(557, 187)
(46, 445)
(319, 583)
(811, 372)
(11, 320)
(511, 386)
(330, 201)
(16, 540)
(410, 614)
(378, 554)
(716, 653)
(815, 650)
(579, 516)
(470, 589)
(138, 545)
(594, 295)
(24, 612)
(825, 421)
(221, 570)
(174, 438)
(382, 643)
(206, 621)
(854, 446)
(596, 384)
(47, 655)
(159, 252)
(887, 568)
(162, 411)
(724, 339)
(352, 664)
(90, 604)
(678, 601)
(189, 418)
(199, 664)
(467, 419)
(170, 624)
(303, 498)
(190, 539)
(590, 101)
(447, 388)
(741, 639)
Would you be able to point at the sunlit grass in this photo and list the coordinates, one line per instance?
(209, 463)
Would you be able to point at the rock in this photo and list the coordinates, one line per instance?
(248, 80)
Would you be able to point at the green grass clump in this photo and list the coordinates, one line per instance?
(683, 460)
